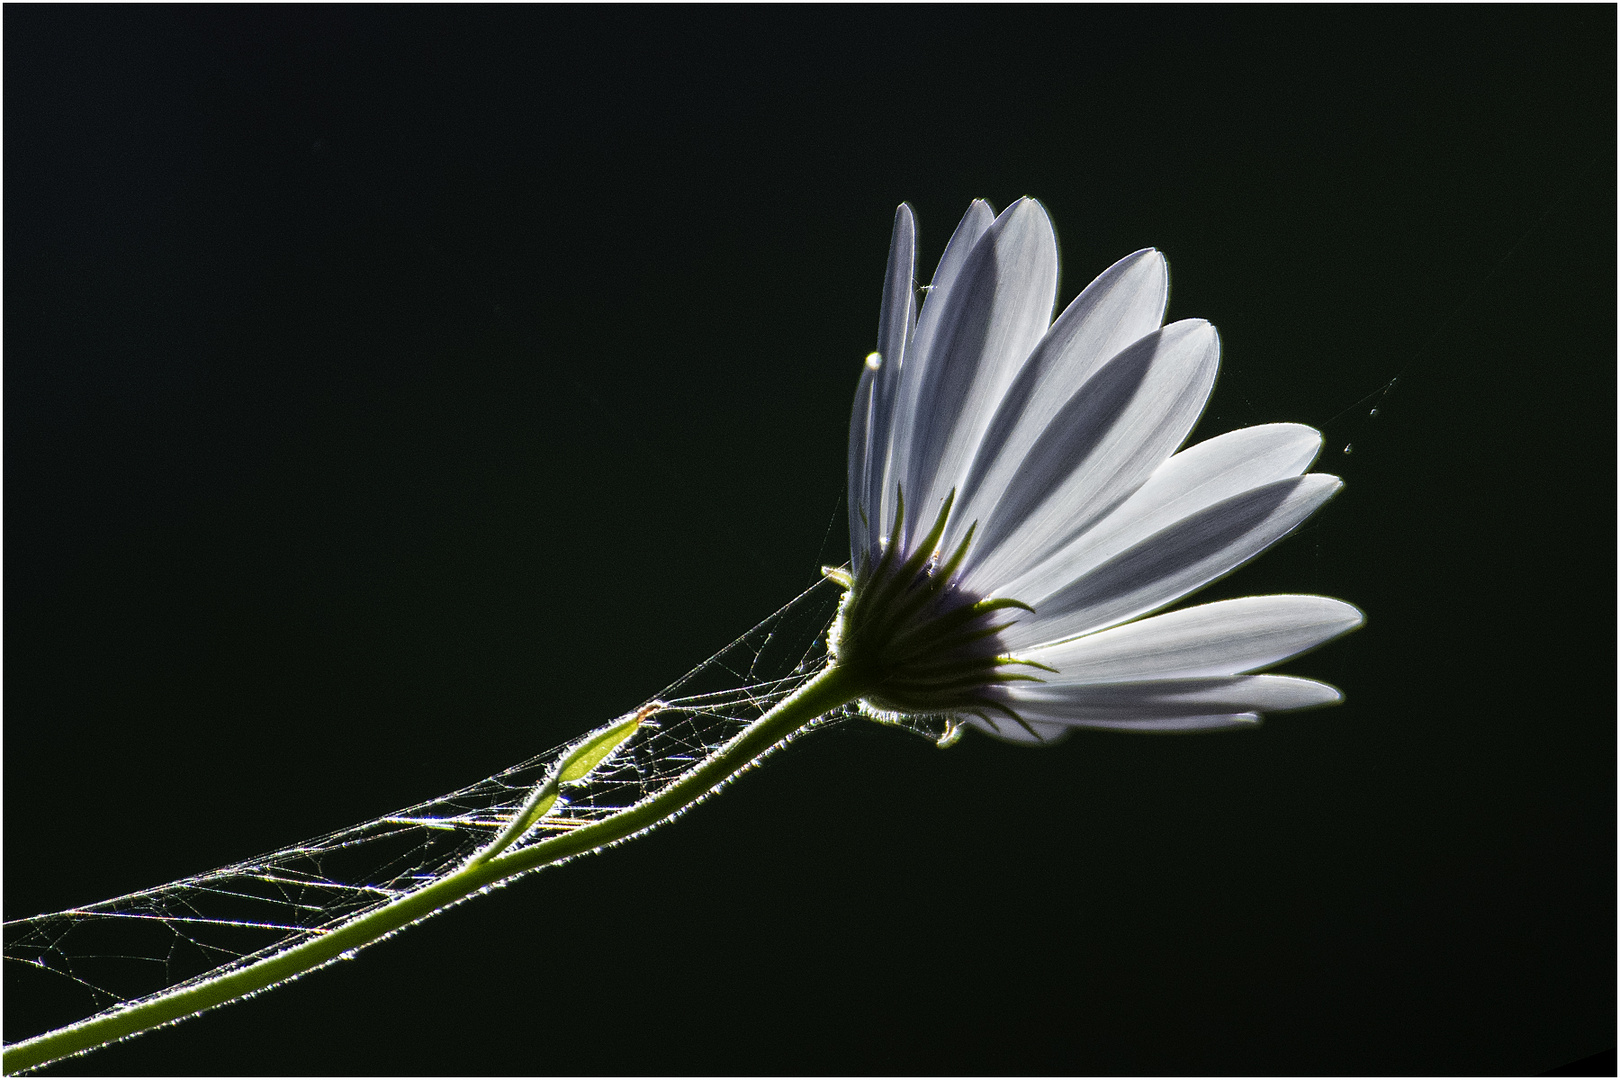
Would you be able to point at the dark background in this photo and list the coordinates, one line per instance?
(392, 394)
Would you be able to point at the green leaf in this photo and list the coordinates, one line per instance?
(593, 750)
(540, 808)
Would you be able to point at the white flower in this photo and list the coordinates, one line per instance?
(1017, 504)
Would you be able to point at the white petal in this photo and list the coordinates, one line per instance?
(1083, 704)
(1124, 304)
(1046, 734)
(860, 426)
(1114, 431)
(998, 310)
(1125, 580)
(1037, 734)
(896, 322)
(1180, 723)
(1225, 638)
(1195, 479)
(914, 373)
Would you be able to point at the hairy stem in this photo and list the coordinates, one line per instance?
(830, 689)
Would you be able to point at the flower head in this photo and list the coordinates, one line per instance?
(1018, 504)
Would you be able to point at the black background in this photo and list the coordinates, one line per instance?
(392, 394)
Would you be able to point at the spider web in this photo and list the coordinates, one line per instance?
(101, 957)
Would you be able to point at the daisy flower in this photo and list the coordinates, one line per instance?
(1018, 504)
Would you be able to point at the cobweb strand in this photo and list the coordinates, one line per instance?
(102, 958)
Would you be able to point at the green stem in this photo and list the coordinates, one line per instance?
(830, 689)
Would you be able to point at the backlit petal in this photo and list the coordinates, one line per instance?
(1229, 637)
(1084, 704)
(915, 371)
(1192, 481)
(1105, 442)
(1122, 582)
(1124, 304)
(998, 309)
(860, 427)
(896, 321)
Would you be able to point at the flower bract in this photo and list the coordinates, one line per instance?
(1020, 505)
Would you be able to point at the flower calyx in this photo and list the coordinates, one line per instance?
(921, 644)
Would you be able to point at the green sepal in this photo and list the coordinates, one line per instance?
(837, 573)
(954, 563)
(1003, 708)
(1029, 663)
(888, 598)
(1000, 603)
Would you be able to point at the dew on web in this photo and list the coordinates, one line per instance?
(103, 956)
